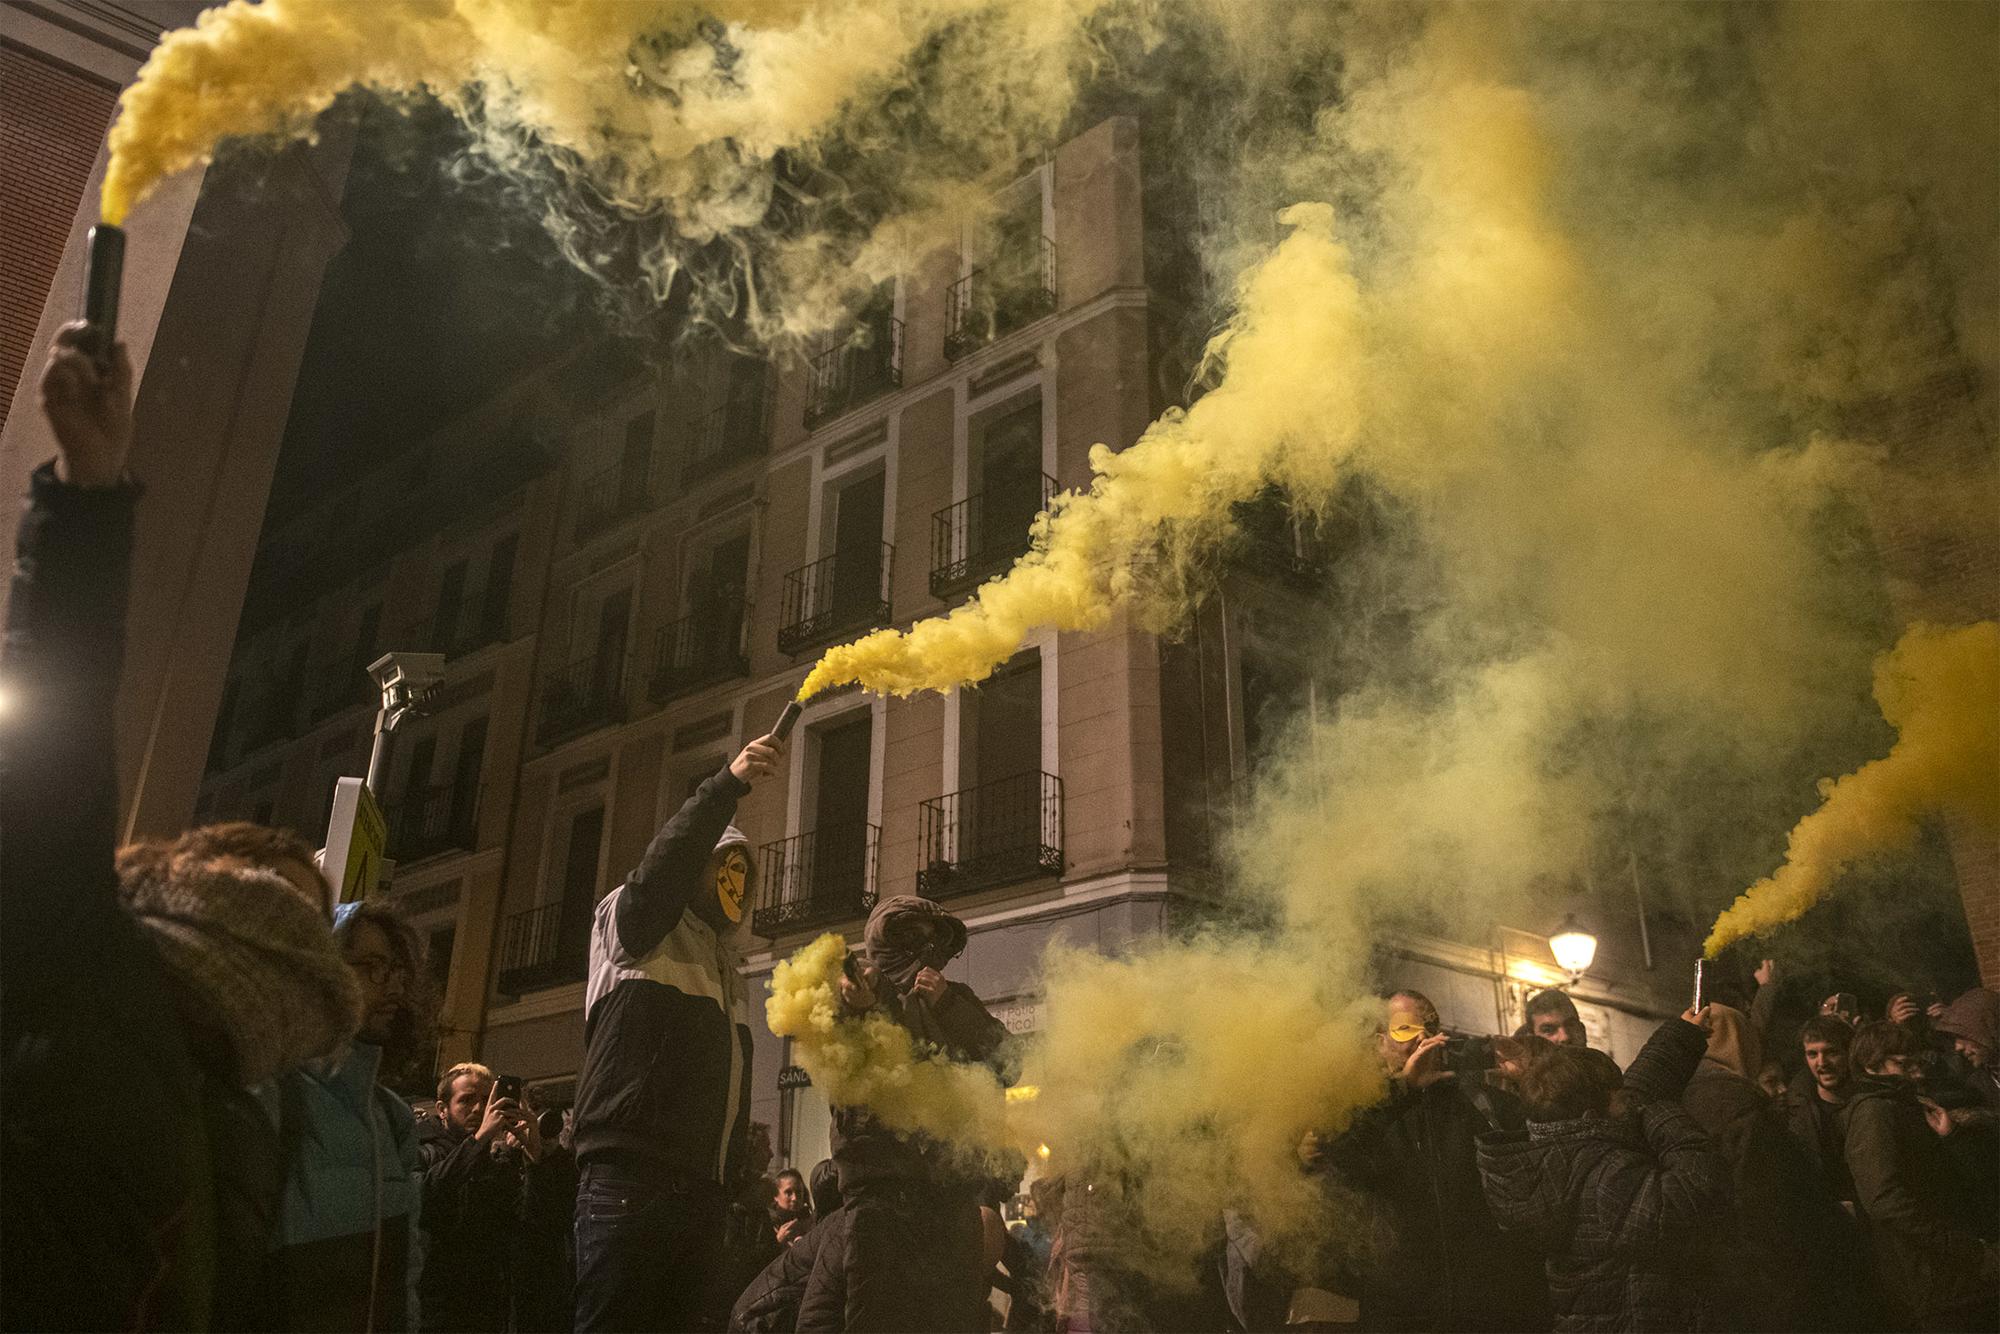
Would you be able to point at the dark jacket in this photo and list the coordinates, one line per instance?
(1787, 1256)
(1618, 1205)
(1441, 1260)
(488, 1239)
(108, 1214)
(1928, 1254)
(665, 1085)
(770, 1303)
(1816, 1127)
(864, 1151)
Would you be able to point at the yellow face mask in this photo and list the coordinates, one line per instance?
(1404, 1027)
(732, 874)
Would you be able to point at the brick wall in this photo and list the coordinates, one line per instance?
(52, 122)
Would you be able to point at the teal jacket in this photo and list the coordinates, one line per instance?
(348, 1224)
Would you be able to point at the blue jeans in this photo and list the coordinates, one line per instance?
(644, 1251)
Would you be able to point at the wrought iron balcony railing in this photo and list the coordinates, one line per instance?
(545, 947)
(1013, 289)
(812, 879)
(868, 362)
(701, 648)
(982, 535)
(435, 820)
(609, 497)
(842, 594)
(998, 833)
(739, 428)
(588, 693)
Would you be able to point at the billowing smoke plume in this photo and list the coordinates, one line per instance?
(1659, 338)
(1646, 342)
(821, 144)
(1941, 690)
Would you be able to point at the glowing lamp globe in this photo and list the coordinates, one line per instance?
(1573, 947)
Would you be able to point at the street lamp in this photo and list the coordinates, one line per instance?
(1573, 947)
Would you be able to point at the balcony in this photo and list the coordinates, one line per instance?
(813, 879)
(588, 693)
(1272, 542)
(342, 686)
(843, 594)
(433, 821)
(981, 536)
(700, 649)
(545, 947)
(998, 833)
(1013, 289)
(867, 363)
(609, 497)
(739, 429)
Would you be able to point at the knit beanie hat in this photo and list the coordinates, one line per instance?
(253, 952)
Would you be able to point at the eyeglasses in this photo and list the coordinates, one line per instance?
(378, 971)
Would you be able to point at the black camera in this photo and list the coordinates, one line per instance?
(1469, 1055)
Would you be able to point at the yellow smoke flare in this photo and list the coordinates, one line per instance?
(1940, 687)
(1284, 413)
(873, 1061)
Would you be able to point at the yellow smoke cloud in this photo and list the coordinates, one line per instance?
(679, 108)
(873, 1061)
(1285, 413)
(1940, 688)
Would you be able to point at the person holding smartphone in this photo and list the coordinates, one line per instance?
(485, 1165)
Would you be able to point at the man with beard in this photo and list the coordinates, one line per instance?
(663, 1100)
(1813, 1103)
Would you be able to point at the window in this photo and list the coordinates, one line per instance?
(840, 806)
(1275, 691)
(225, 725)
(635, 462)
(499, 588)
(439, 957)
(465, 779)
(857, 548)
(445, 636)
(365, 634)
(1000, 724)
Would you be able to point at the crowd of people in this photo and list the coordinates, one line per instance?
(201, 1128)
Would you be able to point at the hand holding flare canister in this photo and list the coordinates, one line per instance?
(103, 273)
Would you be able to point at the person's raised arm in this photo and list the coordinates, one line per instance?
(59, 672)
(669, 875)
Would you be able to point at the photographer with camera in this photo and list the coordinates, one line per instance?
(486, 1167)
(912, 1255)
(1413, 1160)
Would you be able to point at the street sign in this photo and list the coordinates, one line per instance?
(356, 838)
(793, 1077)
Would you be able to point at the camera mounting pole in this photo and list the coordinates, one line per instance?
(407, 681)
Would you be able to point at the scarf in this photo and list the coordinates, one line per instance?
(898, 941)
(252, 957)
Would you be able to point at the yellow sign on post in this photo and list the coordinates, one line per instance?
(357, 837)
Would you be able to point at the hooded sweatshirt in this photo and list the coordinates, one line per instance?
(864, 1150)
(1975, 1016)
(665, 1086)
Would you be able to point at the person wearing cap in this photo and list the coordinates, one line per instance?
(663, 1099)
(911, 1255)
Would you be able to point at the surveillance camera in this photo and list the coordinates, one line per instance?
(406, 678)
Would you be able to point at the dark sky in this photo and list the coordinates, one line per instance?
(444, 292)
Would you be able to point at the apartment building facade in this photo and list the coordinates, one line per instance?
(630, 571)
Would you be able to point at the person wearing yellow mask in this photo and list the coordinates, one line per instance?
(663, 1100)
(1411, 1161)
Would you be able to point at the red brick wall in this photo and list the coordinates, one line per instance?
(52, 122)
